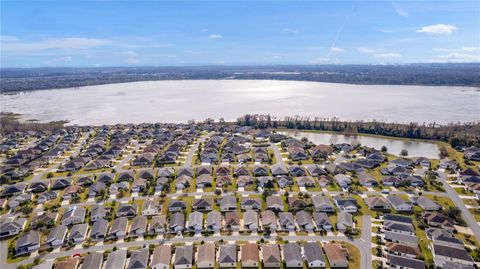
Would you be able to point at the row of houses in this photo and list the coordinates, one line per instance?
(211, 255)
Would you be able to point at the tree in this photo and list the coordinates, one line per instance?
(384, 148)
(404, 153)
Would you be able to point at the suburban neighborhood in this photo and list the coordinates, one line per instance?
(204, 195)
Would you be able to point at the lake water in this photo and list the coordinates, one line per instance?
(180, 101)
(415, 148)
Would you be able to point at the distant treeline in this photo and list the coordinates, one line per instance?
(27, 79)
(458, 134)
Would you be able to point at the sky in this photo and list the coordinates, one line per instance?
(163, 33)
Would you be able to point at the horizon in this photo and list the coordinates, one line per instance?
(186, 33)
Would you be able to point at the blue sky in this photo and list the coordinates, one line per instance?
(133, 33)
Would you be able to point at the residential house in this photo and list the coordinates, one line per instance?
(227, 256)
(74, 215)
(314, 255)
(27, 243)
(138, 226)
(206, 256)
(287, 223)
(139, 259)
(56, 236)
(271, 256)
(213, 222)
(292, 254)
(250, 221)
(118, 230)
(337, 255)
(250, 255)
(183, 257)
(177, 222)
(78, 233)
(161, 258)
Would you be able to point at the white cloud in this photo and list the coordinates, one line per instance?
(290, 31)
(272, 58)
(437, 29)
(399, 10)
(365, 50)
(192, 52)
(321, 60)
(335, 49)
(51, 44)
(389, 55)
(130, 53)
(456, 57)
(461, 49)
(216, 36)
(63, 59)
(7, 38)
(204, 30)
(132, 60)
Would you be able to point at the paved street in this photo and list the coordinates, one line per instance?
(467, 216)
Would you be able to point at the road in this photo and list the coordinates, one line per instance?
(466, 215)
(278, 155)
(364, 252)
(365, 242)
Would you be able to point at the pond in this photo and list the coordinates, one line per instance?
(395, 146)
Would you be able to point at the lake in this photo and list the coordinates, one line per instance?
(180, 101)
(415, 148)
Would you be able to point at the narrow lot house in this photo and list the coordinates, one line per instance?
(56, 236)
(27, 243)
(399, 204)
(292, 254)
(74, 215)
(314, 255)
(99, 230)
(337, 255)
(92, 261)
(183, 257)
(250, 255)
(206, 256)
(139, 259)
(271, 256)
(116, 259)
(227, 256)
(162, 255)
(118, 229)
(78, 233)
(213, 222)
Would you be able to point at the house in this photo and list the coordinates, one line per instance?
(445, 254)
(39, 186)
(27, 243)
(116, 259)
(114, 189)
(404, 262)
(399, 227)
(446, 238)
(346, 204)
(92, 261)
(17, 200)
(214, 221)
(320, 151)
(228, 203)
(315, 170)
(46, 196)
(447, 164)
(337, 255)
(403, 238)
(306, 181)
(12, 190)
(304, 221)
(150, 208)
(344, 220)
(367, 180)
(78, 233)
(139, 259)
(139, 185)
(322, 204)
(106, 178)
(271, 256)
(195, 222)
(297, 171)
(265, 182)
(176, 206)
(161, 182)
(250, 221)
(259, 170)
(287, 223)
(167, 172)
(127, 176)
(61, 183)
(269, 219)
(183, 257)
(73, 215)
(244, 181)
(275, 203)
(227, 256)
(314, 255)
(241, 171)
(202, 204)
(162, 255)
(292, 254)
(377, 203)
(250, 255)
(126, 210)
(206, 256)
(183, 182)
(97, 189)
(405, 250)
(138, 226)
(223, 171)
(157, 225)
(71, 263)
(177, 222)
(99, 230)
(99, 212)
(232, 221)
(284, 181)
(56, 236)
(399, 204)
(402, 162)
(343, 180)
(204, 181)
(425, 203)
(322, 221)
(249, 203)
(436, 219)
(278, 170)
(118, 229)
